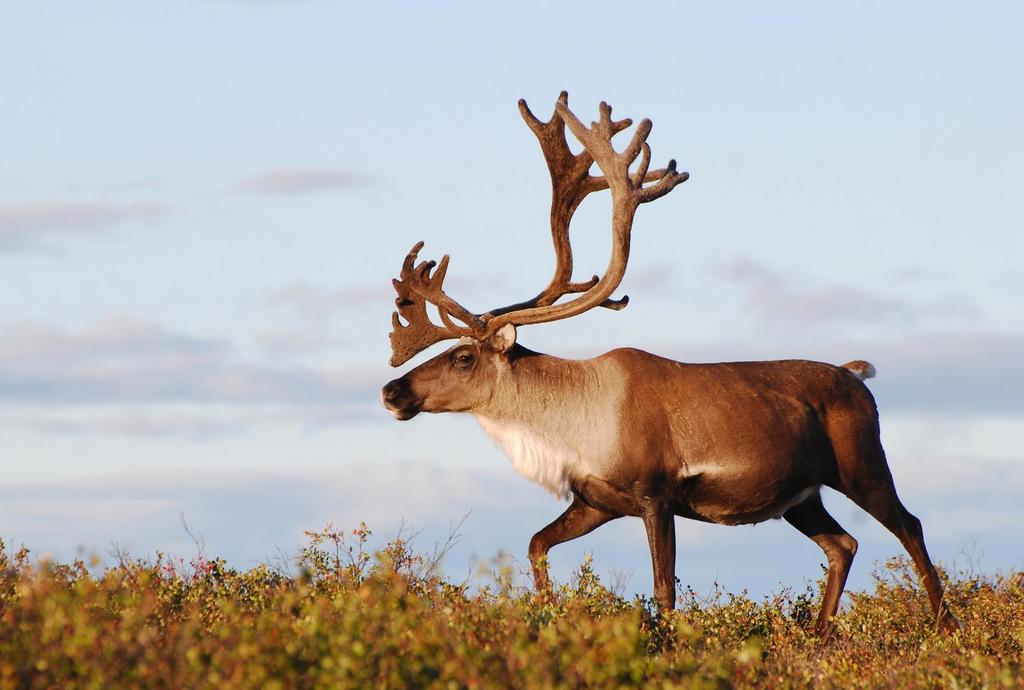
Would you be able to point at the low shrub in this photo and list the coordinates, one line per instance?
(346, 618)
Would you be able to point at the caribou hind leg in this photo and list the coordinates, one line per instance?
(578, 519)
(811, 518)
(881, 501)
(864, 477)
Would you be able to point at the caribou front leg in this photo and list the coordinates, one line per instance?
(659, 521)
(578, 519)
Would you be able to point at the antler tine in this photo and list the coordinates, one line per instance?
(666, 183)
(638, 177)
(571, 182)
(605, 125)
(431, 288)
(416, 287)
(639, 141)
(628, 193)
(615, 166)
(552, 133)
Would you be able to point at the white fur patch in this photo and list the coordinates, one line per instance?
(861, 369)
(796, 500)
(558, 424)
(541, 460)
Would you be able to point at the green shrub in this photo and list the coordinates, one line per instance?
(346, 618)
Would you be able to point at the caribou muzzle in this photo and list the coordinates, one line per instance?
(399, 399)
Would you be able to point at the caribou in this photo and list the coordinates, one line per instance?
(630, 433)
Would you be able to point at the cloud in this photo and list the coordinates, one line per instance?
(197, 422)
(28, 344)
(317, 308)
(318, 305)
(134, 184)
(290, 181)
(121, 359)
(957, 473)
(927, 361)
(298, 341)
(775, 299)
(26, 226)
(135, 423)
(143, 514)
(245, 516)
(653, 277)
(967, 372)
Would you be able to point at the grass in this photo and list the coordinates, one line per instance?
(344, 618)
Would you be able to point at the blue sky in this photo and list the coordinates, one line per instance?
(202, 206)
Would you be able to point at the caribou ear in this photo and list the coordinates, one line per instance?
(503, 339)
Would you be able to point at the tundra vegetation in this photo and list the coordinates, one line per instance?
(341, 617)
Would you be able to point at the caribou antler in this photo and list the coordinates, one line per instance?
(416, 287)
(571, 182)
(628, 192)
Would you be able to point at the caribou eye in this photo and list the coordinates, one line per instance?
(463, 359)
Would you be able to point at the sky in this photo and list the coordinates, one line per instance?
(202, 205)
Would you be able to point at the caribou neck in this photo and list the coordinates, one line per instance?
(557, 420)
(535, 389)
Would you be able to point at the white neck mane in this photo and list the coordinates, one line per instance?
(555, 429)
(548, 462)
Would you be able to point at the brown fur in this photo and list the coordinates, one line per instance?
(634, 434)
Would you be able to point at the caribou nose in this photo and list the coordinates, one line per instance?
(391, 392)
